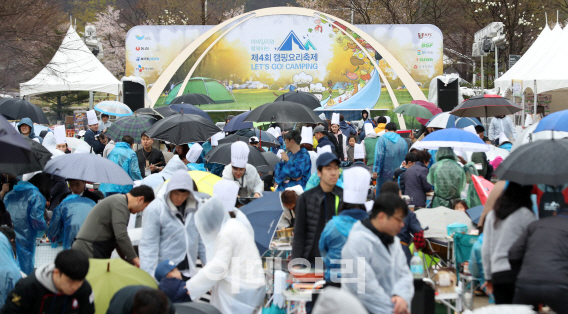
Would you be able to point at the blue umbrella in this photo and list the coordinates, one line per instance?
(464, 122)
(455, 138)
(475, 213)
(237, 123)
(557, 122)
(189, 109)
(442, 120)
(263, 214)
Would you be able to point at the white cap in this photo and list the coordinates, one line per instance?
(59, 133)
(278, 131)
(297, 189)
(388, 119)
(503, 138)
(92, 117)
(216, 137)
(272, 132)
(369, 129)
(239, 154)
(470, 129)
(307, 136)
(322, 116)
(369, 206)
(335, 118)
(226, 191)
(325, 149)
(356, 182)
(82, 133)
(528, 120)
(194, 152)
(359, 151)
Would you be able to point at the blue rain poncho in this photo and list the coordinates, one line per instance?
(194, 166)
(447, 177)
(383, 272)
(315, 180)
(26, 205)
(389, 155)
(333, 238)
(9, 271)
(126, 158)
(67, 219)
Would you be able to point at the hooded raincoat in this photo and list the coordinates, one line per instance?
(333, 239)
(169, 236)
(363, 121)
(447, 177)
(296, 170)
(504, 125)
(234, 271)
(472, 196)
(28, 122)
(9, 270)
(378, 272)
(389, 154)
(67, 219)
(125, 157)
(26, 205)
(249, 183)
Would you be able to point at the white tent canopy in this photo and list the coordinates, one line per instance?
(72, 68)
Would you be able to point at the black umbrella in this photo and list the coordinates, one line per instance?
(221, 154)
(272, 160)
(283, 112)
(182, 129)
(189, 109)
(39, 156)
(268, 140)
(195, 308)
(17, 109)
(303, 98)
(13, 145)
(166, 111)
(149, 112)
(486, 106)
(193, 98)
(539, 162)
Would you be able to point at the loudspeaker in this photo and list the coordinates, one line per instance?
(448, 95)
(133, 95)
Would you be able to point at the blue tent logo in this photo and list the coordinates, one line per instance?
(291, 40)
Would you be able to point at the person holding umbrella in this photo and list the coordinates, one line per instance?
(91, 135)
(150, 160)
(26, 128)
(104, 124)
(390, 152)
(26, 205)
(447, 177)
(295, 167)
(244, 174)
(67, 219)
(501, 124)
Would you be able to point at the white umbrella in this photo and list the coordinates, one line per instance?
(437, 219)
(113, 108)
(528, 136)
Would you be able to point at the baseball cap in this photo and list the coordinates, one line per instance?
(163, 269)
(319, 129)
(253, 140)
(325, 159)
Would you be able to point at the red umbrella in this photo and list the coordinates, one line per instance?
(428, 105)
(482, 187)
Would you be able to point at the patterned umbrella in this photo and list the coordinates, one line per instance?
(486, 106)
(131, 125)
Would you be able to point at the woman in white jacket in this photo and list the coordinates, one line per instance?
(244, 174)
(234, 272)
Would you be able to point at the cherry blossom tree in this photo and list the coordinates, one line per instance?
(112, 34)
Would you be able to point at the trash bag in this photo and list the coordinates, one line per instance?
(67, 219)
(448, 178)
(26, 205)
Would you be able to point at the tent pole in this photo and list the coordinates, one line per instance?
(482, 91)
(535, 101)
(91, 100)
(524, 112)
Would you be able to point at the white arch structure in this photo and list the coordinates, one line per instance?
(170, 71)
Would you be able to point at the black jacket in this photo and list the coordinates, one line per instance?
(174, 289)
(541, 252)
(324, 141)
(58, 192)
(338, 145)
(416, 184)
(31, 297)
(97, 146)
(399, 175)
(156, 157)
(308, 210)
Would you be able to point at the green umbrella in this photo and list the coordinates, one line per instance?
(107, 276)
(413, 110)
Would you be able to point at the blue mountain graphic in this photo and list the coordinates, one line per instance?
(309, 44)
(290, 40)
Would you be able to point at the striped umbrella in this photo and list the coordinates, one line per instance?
(442, 120)
(113, 108)
(464, 122)
(131, 125)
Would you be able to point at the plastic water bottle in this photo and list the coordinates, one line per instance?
(416, 266)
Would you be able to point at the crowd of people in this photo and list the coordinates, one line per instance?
(350, 193)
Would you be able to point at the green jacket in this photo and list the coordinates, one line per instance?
(370, 144)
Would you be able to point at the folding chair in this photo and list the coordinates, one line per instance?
(463, 244)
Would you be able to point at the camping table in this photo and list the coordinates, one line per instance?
(446, 242)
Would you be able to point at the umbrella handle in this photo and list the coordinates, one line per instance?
(108, 267)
